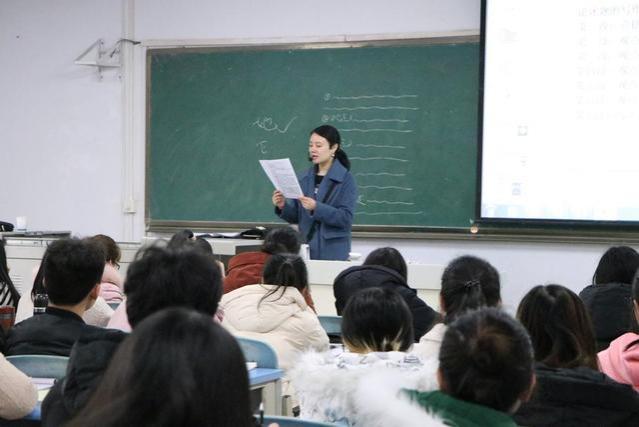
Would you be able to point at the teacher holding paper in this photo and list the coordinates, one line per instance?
(325, 212)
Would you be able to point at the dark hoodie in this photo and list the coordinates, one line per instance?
(89, 359)
(360, 277)
(610, 307)
(578, 397)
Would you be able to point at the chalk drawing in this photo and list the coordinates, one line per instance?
(377, 130)
(386, 187)
(399, 147)
(269, 125)
(387, 202)
(379, 174)
(389, 213)
(394, 159)
(372, 107)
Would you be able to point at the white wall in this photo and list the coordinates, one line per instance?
(60, 127)
(72, 146)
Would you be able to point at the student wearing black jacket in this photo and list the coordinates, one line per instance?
(384, 268)
(157, 279)
(570, 389)
(609, 298)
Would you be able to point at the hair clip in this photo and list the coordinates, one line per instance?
(471, 283)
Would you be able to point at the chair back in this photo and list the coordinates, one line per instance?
(259, 352)
(333, 327)
(293, 422)
(40, 366)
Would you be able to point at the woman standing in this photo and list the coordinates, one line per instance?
(325, 212)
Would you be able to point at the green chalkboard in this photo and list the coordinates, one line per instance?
(407, 114)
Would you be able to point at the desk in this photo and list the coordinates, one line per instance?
(269, 381)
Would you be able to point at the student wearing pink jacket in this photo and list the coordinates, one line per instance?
(620, 360)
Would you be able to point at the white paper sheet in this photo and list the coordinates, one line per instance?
(283, 177)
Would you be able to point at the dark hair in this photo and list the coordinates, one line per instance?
(559, 326)
(333, 137)
(617, 265)
(13, 296)
(72, 268)
(389, 258)
(377, 319)
(38, 281)
(111, 249)
(486, 358)
(281, 240)
(180, 238)
(203, 245)
(469, 282)
(284, 270)
(177, 368)
(164, 277)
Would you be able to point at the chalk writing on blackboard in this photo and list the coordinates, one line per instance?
(369, 120)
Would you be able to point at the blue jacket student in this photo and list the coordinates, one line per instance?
(330, 237)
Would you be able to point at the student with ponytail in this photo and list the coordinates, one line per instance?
(570, 389)
(275, 310)
(467, 283)
(325, 212)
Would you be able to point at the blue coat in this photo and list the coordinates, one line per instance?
(332, 237)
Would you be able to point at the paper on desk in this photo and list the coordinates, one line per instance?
(282, 175)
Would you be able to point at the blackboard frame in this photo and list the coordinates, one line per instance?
(153, 225)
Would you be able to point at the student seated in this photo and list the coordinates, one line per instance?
(485, 371)
(111, 283)
(246, 268)
(18, 395)
(608, 299)
(275, 310)
(158, 278)
(467, 283)
(98, 314)
(179, 241)
(620, 361)
(570, 389)
(72, 272)
(9, 295)
(384, 267)
(377, 330)
(177, 368)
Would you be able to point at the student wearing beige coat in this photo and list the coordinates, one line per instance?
(18, 396)
(275, 311)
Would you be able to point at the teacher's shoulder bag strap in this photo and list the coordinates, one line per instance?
(313, 229)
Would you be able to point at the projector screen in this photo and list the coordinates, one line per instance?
(560, 130)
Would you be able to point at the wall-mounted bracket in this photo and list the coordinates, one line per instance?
(97, 56)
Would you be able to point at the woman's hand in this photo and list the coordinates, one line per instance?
(278, 199)
(308, 203)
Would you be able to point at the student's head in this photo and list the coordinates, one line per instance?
(164, 277)
(179, 238)
(559, 327)
(377, 319)
(389, 258)
(72, 270)
(617, 265)
(468, 283)
(177, 368)
(284, 270)
(325, 143)
(4, 275)
(281, 240)
(203, 245)
(486, 358)
(111, 249)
